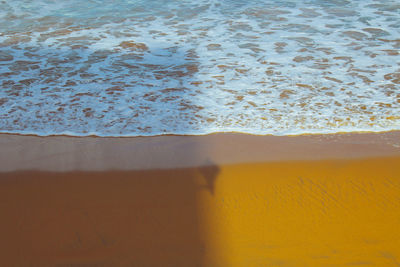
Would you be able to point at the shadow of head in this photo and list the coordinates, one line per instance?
(209, 172)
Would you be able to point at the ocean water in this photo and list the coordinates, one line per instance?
(134, 68)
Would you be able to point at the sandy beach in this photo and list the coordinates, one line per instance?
(215, 200)
(199, 133)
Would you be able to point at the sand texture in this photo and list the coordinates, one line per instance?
(240, 201)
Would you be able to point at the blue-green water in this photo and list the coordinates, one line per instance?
(129, 68)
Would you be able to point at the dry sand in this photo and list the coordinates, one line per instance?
(216, 200)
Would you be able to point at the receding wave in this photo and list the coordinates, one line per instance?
(132, 68)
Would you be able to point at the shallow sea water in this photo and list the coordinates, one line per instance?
(131, 68)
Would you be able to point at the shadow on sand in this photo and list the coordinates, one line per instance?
(118, 218)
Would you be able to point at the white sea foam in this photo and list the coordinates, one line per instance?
(129, 68)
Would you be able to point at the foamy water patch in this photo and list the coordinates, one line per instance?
(136, 68)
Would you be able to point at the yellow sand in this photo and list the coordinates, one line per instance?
(329, 213)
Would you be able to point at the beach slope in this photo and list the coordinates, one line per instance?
(215, 200)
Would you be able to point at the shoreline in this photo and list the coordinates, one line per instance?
(205, 134)
(65, 153)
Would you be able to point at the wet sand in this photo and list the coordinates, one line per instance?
(216, 200)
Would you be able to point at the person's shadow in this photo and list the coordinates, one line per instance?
(110, 218)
